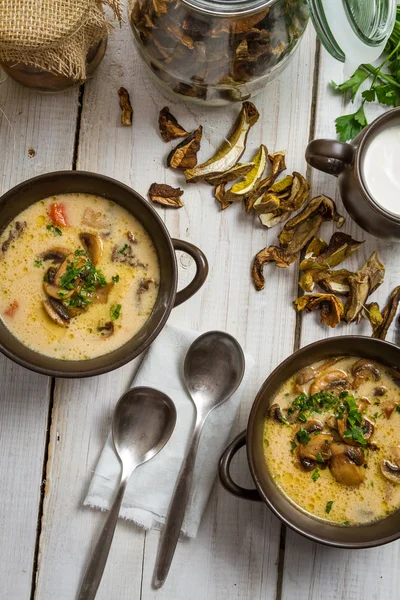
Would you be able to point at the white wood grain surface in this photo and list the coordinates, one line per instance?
(239, 552)
(46, 125)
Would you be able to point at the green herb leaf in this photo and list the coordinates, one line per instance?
(123, 249)
(328, 506)
(353, 83)
(348, 126)
(303, 436)
(320, 458)
(368, 95)
(54, 230)
(387, 95)
(115, 278)
(356, 433)
(316, 475)
(293, 446)
(37, 262)
(398, 409)
(115, 311)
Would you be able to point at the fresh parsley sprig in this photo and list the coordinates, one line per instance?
(384, 87)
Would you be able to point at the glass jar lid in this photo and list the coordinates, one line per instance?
(353, 31)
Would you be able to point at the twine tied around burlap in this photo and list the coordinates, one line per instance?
(54, 35)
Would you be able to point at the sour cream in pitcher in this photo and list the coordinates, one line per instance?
(381, 168)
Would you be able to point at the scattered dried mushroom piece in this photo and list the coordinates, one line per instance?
(299, 230)
(361, 285)
(231, 149)
(219, 194)
(331, 307)
(372, 312)
(388, 314)
(169, 126)
(278, 165)
(268, 255)
(184, 155)
(340, 247)
(126, 108)
(235, 172)
(164, 194)
(242, 189)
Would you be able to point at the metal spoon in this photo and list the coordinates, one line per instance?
(213, 369)
(143, 422)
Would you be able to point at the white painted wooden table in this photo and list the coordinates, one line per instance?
(51, 432)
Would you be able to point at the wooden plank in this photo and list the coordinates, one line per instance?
(312, 571)
(46, 125)
(236, 552)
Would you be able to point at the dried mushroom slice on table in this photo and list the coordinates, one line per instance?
(267, 255)
(372, 312)
(332, 282)
(235, 172)
(169, 126)
(361, 285)
(300, 229)
(184, 155)
(219, 194)
(320, 257)
(330, 306)
(242, 189)
(281, 199)
(388, 314)
(164, 194)
(230, 151)
(126, 108)
(278, 165)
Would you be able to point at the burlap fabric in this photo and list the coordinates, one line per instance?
(54, 35)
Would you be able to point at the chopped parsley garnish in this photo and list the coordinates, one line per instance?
(376, 416)
(372, 484)
(123, 249)
(346, 523)
(328, 506)
(293, 446)
(115, 278)
(303, 436)
(89, 277)
(320, 458)
(356, 433)
(37, 262)
(315, 475)
(55, 230)
(115, 311)
(398, 409)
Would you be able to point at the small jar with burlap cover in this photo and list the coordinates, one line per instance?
(51, 45)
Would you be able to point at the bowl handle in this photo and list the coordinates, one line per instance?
(224, 470)
(330, 156)
(201, 270)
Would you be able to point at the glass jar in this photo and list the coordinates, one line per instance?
(221, 51)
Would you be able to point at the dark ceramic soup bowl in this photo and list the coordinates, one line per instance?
(51, 184)
(357, 536)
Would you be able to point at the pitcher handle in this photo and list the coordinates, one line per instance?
(330, 156)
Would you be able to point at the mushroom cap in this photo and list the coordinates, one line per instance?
(363, 370)
(336, 380)
(390, 466)
(346, 464)
(93, 245)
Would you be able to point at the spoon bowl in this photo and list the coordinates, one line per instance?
(213, 369)
(144, 419)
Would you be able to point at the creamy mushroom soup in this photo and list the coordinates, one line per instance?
(79, 276)
(331, 440)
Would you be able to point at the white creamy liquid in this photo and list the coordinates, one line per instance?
(381, 168)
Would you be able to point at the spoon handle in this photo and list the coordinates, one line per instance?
(176, 510)
(95, 570)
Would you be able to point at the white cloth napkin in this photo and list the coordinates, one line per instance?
(150, 487)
